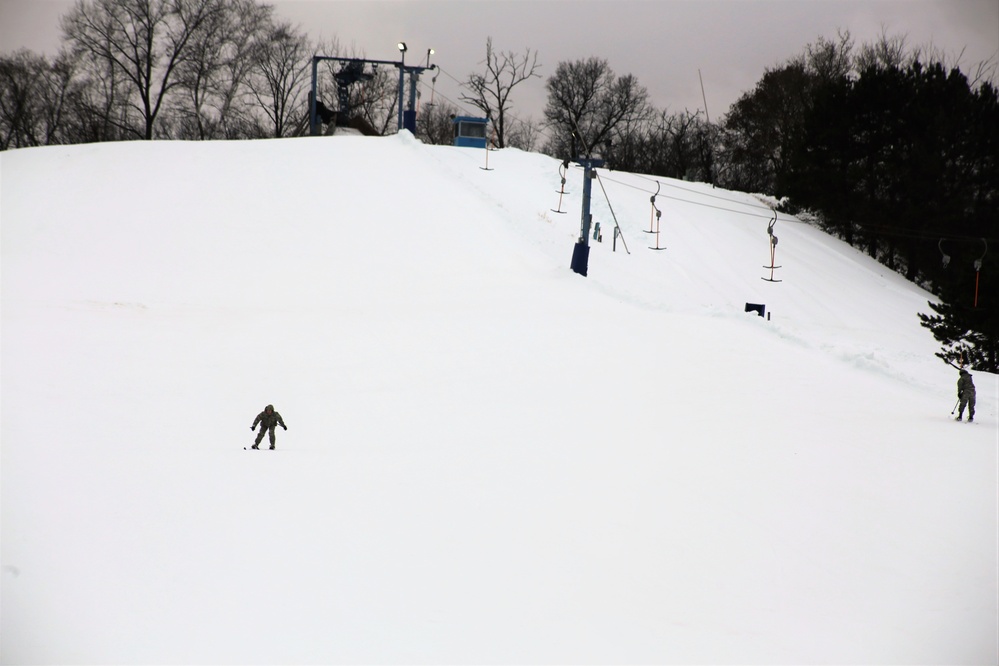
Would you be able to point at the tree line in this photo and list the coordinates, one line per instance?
(886, 146)
(156, 69)
(895, 152)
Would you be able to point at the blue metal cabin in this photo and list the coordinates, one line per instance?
(470, 132)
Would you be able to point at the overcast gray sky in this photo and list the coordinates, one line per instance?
(662, 42)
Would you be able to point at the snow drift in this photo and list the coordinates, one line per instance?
(489, 458)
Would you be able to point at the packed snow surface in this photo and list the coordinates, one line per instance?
(489, 458)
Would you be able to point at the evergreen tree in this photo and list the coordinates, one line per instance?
(966, 321)
(902, 161)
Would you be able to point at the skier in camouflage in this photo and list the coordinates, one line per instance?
(966, 394)
(268, 420)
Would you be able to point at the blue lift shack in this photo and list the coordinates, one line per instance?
(470, 132)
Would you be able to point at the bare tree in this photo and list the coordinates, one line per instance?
(213, 80)
(986, 71)
(524, 134)
(435, 123)
(589, 107)
(830, 60)
(36, 99)
(102, 110)
(491, 90)
(146, 41)
(20, 86)
(676, 141)
(888, 52)
(280, 77)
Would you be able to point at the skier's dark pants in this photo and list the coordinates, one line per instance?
(260, 435)
(969, 401)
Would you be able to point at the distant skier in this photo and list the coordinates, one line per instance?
(966, 394)
(268, 420)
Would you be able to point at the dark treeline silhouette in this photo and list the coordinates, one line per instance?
(896, 153)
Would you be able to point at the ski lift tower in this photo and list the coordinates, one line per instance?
(353, 71)
(407, 118)
(581, 251)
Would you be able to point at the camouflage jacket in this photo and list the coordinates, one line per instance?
(268, 418)
(965, 387)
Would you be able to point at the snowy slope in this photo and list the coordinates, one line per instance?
(489, 458)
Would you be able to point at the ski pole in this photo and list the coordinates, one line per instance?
(955, 407)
